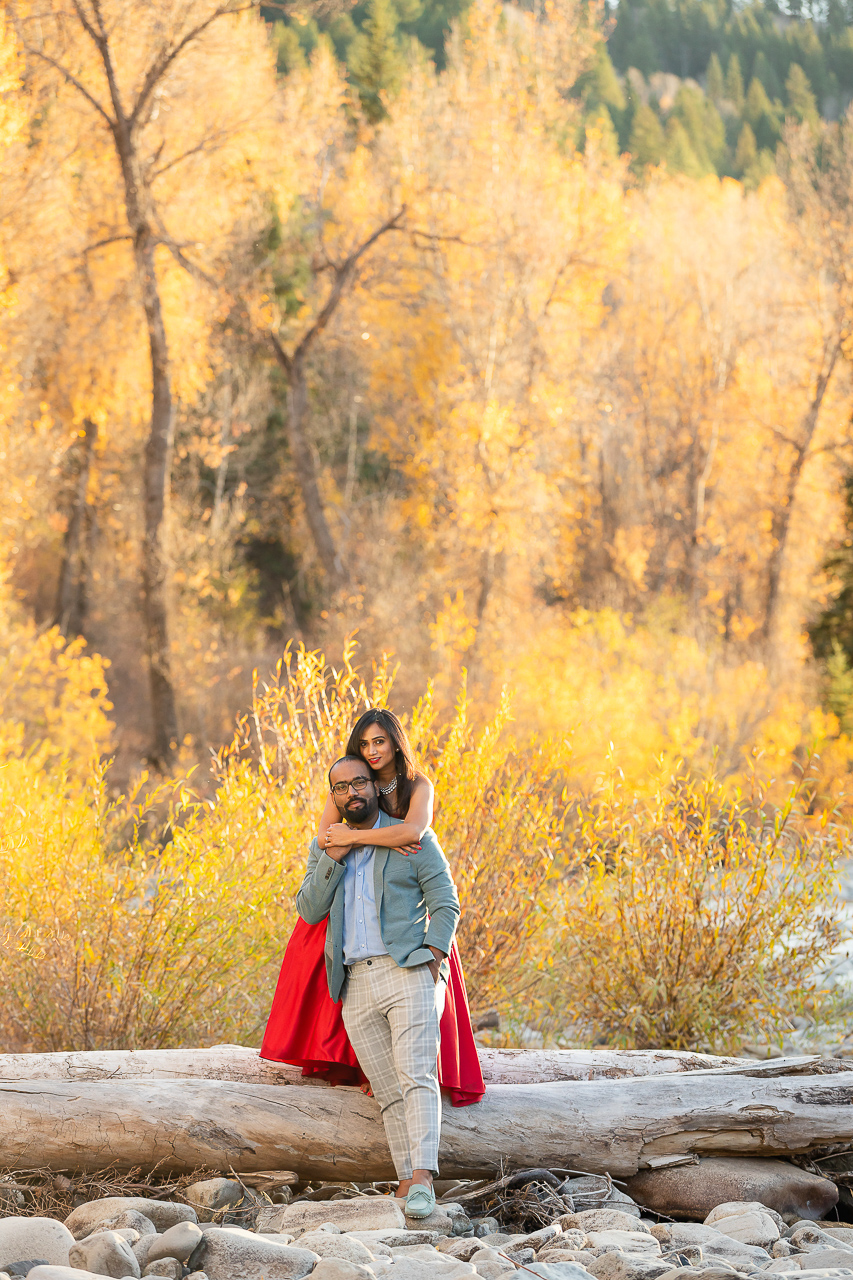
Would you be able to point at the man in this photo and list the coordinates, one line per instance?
(390, 966)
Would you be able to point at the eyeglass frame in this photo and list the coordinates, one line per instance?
(358, 785)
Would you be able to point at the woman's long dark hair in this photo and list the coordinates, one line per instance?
(397, 803)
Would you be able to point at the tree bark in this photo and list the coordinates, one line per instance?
(781, 519)
(306, 472)
(245, 1066)
(72, 590)
(617, 1127)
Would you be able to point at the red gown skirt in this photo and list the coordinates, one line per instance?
(305, 1027)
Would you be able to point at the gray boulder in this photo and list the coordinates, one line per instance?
(49, 1272)
(212, 1195)
(127, 1220)
(178, 1242)
(105, 1253)
(601, 1220)
(168, 1267)
(438, 1267)
(161, 1213)
(748, 1222)
(559, 1271)
(692, 1191)
(628, 1266)
(367, 1213)
(642, 1242)
(340, 1269)
(823, 1259)
(42, 1238)
(811, 1237)
(228, 1253)
(326, 1245)
(455, 1247)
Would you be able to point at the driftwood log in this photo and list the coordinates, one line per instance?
(615, 1126)
(236, 1063)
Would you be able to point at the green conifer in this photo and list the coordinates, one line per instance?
(375, 62)
(647, 139)
(801, 101)
(747, 151)
(763, 70)
(715, 84)
(760, 113)
(734, 83)
(679, 154)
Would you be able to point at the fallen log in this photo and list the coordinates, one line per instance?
(242, 1065)
(600, 1126)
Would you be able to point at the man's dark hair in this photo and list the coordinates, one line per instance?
(355, 760)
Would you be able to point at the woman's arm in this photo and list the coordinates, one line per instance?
(418, 818)
(329, 815)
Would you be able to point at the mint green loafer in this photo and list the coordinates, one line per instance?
(420, 1202)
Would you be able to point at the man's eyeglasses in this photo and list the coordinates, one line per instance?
(357, 784)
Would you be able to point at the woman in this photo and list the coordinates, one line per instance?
(305, 1027)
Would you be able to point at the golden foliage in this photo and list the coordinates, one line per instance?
(695, 917)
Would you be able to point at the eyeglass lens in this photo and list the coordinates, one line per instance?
(357, 784)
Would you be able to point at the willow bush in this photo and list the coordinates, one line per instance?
(696, 918)
(159, 918)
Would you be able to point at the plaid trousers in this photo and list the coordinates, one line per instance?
(392, 1018)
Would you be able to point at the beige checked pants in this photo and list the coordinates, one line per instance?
(392, 1019)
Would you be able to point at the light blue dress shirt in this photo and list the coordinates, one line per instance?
(362, 938)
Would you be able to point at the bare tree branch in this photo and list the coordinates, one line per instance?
(166, 57)
(69, 79)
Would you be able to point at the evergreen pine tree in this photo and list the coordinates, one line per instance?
(747, 152)
(734, 83)
(801, 101)
(763, 70)
(679, 154)
(715, 84)
(760, 114)
(647, 139)
(375, 62)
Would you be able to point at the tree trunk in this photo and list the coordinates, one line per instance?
(72, 590)
(618, 1127)
(158, 451)
(781, 521)
(306, 472)
(234, 1062)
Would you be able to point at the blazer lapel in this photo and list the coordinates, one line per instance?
(380, 857)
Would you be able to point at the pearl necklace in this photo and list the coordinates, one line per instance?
(386, 791)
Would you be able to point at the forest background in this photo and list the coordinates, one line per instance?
(513, 342)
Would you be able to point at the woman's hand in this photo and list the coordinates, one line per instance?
(340, 836)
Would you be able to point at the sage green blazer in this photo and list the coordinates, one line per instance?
(407, 889)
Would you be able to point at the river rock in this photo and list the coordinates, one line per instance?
(212, 1195)
(229, 1253)
(810, 1237)
(558, 1271)
(457, 1247)
(168, 1267)
(341, 1269)
(161, 1213)
(106, 1253)
(326, 1245)
(692, 1191)
(42, 1238)
(50, 1272)
(824, 1259)
(748, 1223)
(438, 1267)
(583, 1256)
(713, 1271)
(780, 1266)
(601, 1220)
(840, 1233)
(677, 1237)
(178, 1242)
(627, 1241)
(627, 1266)
(367, 1213)
(489, 1263)
(127, 1220)
(538, 1239)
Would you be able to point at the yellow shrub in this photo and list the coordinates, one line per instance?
(696, 917)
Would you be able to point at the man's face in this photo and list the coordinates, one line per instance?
(358, 807)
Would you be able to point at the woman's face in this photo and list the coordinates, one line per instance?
(376, 747)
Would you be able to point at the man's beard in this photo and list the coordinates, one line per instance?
(364, 807)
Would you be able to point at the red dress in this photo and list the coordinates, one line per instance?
(305, 1027)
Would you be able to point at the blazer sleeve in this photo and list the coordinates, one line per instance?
(322, 875)
(440, 896)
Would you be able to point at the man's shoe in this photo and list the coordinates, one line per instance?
(420, 1202)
